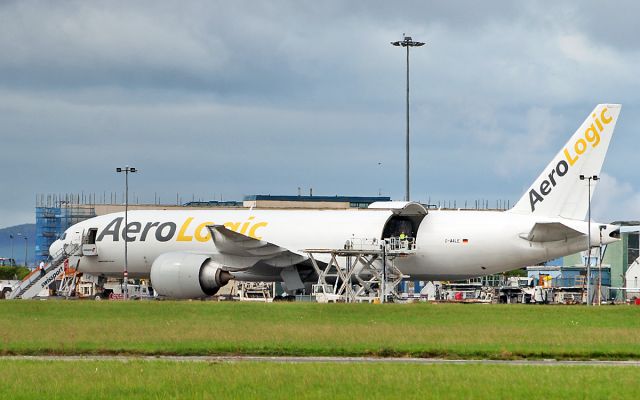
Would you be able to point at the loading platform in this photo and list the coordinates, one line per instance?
(363, 271)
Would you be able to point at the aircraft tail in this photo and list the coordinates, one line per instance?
(559, 191)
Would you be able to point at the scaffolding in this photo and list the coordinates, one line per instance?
(48, 229)
(55, 214)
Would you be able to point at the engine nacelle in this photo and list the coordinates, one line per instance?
(187, 275)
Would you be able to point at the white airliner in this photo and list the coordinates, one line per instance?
(189, 254)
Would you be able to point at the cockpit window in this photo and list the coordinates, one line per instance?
(64, 235)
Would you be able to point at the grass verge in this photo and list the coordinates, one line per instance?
(418, 330)
(247, 380)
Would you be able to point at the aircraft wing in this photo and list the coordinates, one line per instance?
(550, 232)
(246, 250)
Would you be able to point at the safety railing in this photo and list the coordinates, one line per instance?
(400, 244)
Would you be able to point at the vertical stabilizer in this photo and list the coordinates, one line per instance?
(558, 191)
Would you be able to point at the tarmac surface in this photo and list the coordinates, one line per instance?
(341, 360)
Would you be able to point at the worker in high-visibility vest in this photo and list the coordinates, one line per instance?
(402, 244)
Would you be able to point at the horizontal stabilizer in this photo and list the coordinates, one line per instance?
(550, 232)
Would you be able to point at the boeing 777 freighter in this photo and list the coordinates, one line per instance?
(189, 254)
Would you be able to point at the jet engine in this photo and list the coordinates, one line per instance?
(187, 275)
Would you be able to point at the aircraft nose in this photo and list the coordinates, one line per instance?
(55, 247)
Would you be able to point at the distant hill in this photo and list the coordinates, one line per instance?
(28, 230)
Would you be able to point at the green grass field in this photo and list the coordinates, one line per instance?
(305, 329)
(250, 380)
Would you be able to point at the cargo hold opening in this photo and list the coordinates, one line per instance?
(405, 220)
(397, 225)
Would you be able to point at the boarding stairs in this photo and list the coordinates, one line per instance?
(39, 279)
(69, 281)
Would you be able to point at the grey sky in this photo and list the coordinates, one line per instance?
(234, 98)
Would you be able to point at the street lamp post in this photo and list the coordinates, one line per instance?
(26, 246)
(125, 232)
(11, 238)
(589, 179)
(26, 243)
(407, 42)
(378, 176)
(600, 267)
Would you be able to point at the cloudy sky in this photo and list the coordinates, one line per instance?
(219, 99)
